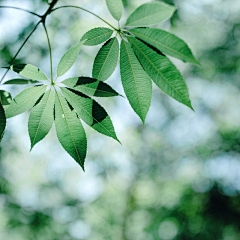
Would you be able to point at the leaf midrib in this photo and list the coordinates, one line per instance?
(189, 59)
(149, 16)
(97, 90)
(133, 78)
(107, 56)
(97, 36)
(88, 112)
(65, 117)
(26, 100)
(159, 72)
(35, 73)
(114, 9)
(41, 118)
(69, 59)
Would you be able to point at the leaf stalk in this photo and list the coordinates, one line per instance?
(50, 52)
(73, 6)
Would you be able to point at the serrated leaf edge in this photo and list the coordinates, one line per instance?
(71, 132)
(162, 75)
(143, 120)
(165, 46)
(32, 143)
(106, 57)
(28, 98)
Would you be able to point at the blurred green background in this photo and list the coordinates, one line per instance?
(178, 177)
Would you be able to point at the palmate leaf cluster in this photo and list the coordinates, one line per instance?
(143, 59)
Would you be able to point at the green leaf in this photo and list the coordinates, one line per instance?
(70, 131)
(2, 121)
(68, 59)
(96, 36)
(29, 71)
(90, 112)
(5, 97)
(106, 60)
(20, 81)
(166, 43)
(136, 83)
(90, 86)
(41, 118)
(162, 71)
(150, 13)
(115, 7)
(25, 100)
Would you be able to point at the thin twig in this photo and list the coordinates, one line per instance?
(21, 9)
(34, 29)
(43, 19)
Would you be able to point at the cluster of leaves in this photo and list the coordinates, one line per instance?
(142, 59)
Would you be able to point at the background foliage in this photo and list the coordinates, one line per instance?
(176, 178)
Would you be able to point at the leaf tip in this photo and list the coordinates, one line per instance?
(198, 64)
(118, 141)
(83, 168)
(190, 106)
(143, 121)
(31, 148)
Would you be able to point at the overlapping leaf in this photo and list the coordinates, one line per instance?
(136, 83)
(96, 36)
(29, 71)
(149, 14)
(166, 43)
(41, 118)
(90, 112)
(70, 131)
(91, 87)
(2, 121)
(21, 81)
(25, 100)
(106, 60)
(68, 59)
(115, 7)
(162, 71)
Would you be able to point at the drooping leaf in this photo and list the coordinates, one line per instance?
(166, 43)
(21, 81)
(5, 97)
(162, 71)
(136, 83)
(91, 87)
(106, 60)
(68, 59)
(115, 7)
(96, 36)
(41, 118)
(70, 131)
(2, 121)
(29, 71)
(149, 14)
(90, 112)
(25, 100)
